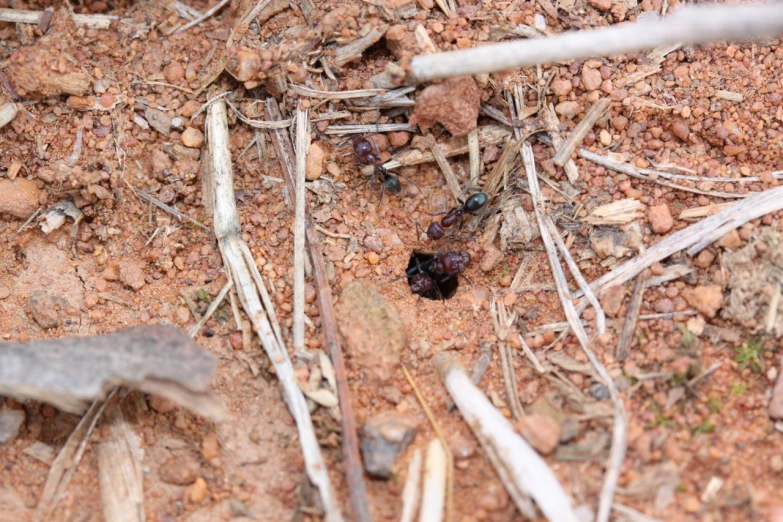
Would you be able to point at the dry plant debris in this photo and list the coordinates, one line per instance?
(70, 373)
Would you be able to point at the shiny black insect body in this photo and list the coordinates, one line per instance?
(367, 153)
(455, 217)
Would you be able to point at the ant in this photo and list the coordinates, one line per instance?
(455, 217)
(366, 152)
(433, 274)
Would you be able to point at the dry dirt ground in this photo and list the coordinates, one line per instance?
(710, 111)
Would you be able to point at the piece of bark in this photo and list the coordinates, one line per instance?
(72, 372)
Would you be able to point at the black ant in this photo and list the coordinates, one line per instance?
(432, 277)
(455, 217)
(367, 153)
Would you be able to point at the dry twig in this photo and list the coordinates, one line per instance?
(552, 122)
(631, 318)
(302, 145)
(410, 492)
(620, 434)
(695, 237)
(23, 16)
(217, 7)
(436, 468)
(502, 322)
(239, 263)
(575, 138)
(690, 25)
(448, 172)
(519, 467)
(354, 471)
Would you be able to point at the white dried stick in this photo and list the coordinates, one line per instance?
(696, 236)
(248, 283)
(433, 498)
(619, 431)
(691, 25)
(23, 16)
(522, 471)
(302, 145)
(410, 492)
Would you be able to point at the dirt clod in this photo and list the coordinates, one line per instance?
(131, 273)
(454, 104)
(45, 309)
(705, 299)
(373, 330)
(19, 197)
(182, 470)
(38, 70)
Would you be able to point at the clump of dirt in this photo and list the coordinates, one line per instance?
(756, 272)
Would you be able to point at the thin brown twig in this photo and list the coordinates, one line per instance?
(354, 470)
(502, 323)
(631, 318)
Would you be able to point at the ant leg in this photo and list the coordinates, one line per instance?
(409, 180)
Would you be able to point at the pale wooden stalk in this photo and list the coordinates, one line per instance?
(652, 176)
(474, 155)
(119, 471)
(569, 146)
(488, 135)
(552, 122)
(448, 172)
(600, 316)
(690, 25)
(302, 145)
(433, 495)
(695, 237)
(23, 16)
(362, 129)
(411, 491)
(522, 471)
(244, 273)
(354, 50)
(213, 306)
(217, 7)
(619, 432)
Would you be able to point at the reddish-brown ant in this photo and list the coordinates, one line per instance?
(455, 217)
(366, 152)
(432, 277)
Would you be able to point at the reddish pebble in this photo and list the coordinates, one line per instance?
(174, 72)
(660, 219)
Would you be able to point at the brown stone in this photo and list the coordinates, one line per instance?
(660, 218)
(454, 104)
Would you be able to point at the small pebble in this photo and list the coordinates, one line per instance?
(315, 162)
(373, 258)
(4, 292)
(660, 218)
(182, 315)
(541, 431)
(181, 470)
(174, 72)
(192, 138)
(197, 491)
(210, 448)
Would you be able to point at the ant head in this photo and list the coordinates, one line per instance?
(454, 262)
(421, 283)
(476, 201)
(362, 147)
(392, 184)
(435, 231)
